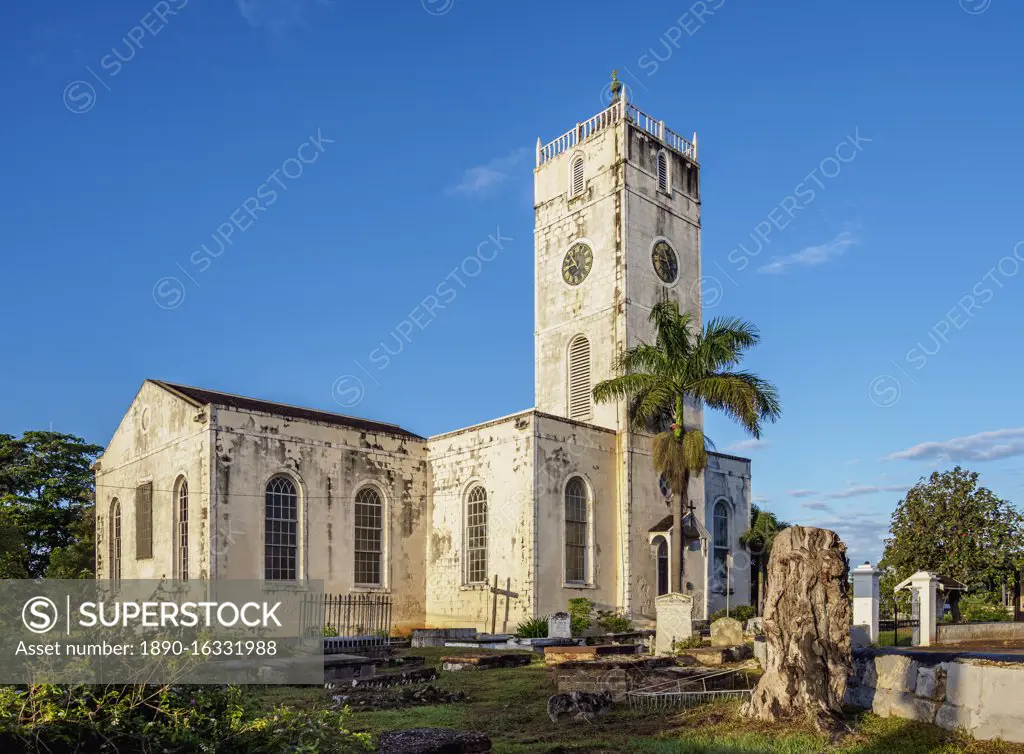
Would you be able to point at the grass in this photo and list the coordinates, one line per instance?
(511, 707)
(888, 638)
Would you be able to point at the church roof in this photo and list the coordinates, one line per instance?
(203, 396)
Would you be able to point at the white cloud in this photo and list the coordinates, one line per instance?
(277, 16)
(748, 445)
(818, 506)
(482, 179)
(760, 499)
(858, 490)
(801, 493)
(863, 533)
(983, 446)
(812, 256)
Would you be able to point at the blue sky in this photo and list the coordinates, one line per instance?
(396, 139)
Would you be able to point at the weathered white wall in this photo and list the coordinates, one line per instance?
(594, 307)
(157, 441)
(728, 478)
(983, 696)
(566, 449)
(500, 456)
(329, 464)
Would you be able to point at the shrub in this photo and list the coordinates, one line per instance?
(613, 623)
(48, 718)
(983, 608)
(694, 642)
(742, 613)
(532, 628)
(581, 611)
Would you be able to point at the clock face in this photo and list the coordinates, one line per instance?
(577, 264)
(666, 264)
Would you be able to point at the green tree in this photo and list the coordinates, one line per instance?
(46, 499)
(689, 367)
(758, 539)
(952, 526)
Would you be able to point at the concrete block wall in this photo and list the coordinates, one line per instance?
(981, 695)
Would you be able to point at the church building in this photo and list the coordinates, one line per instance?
(562, 499)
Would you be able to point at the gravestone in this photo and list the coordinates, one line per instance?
(726, 632)
(560, 626)
(675, 621)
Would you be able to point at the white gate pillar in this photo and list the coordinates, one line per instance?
(866, 598)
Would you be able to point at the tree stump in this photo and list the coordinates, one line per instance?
(807, 628)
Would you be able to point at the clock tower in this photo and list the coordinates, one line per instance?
(617, 228)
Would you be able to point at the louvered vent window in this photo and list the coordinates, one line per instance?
(663, 172)
(144, 521)
(576, 177)
(579, 379)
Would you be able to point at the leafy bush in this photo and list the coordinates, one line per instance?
(613, 623)
(986, 608)
(742, 613)
(532, 628)
(694, 642)
(581, 612)
(47, 718)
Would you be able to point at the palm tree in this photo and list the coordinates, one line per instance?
(758, 539)
(687, 364)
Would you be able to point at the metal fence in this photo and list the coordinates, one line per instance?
(895, 627)
(348, 622)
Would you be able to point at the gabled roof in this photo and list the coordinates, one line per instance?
(227, 400)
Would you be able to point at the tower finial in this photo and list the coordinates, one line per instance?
(616, 85)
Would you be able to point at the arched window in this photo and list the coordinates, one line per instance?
(663, 177)
(576, 184)
(369, 533)
(577, 531)
(720, 569)
(579, 378)
(661, 550)
(114, 544)
(281, 534)
(476, 536)
(181, 529)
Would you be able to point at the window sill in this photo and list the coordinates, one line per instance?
(473, 587)
(577, 585)
(370, 589)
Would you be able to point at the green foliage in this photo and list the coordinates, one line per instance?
(954, 527)
(759, 539)
(694, 642)
(532, 628)
(163, 718)
(613, 623)
(581, 614)
(742, 613)
(986, 608)
(46, 498)
(689, 365)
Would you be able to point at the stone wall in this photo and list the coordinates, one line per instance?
(500, 456)
(958, 633)
(163, 440)
(329, 465)
(982, 694)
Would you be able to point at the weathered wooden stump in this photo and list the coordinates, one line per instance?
(807, 629)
